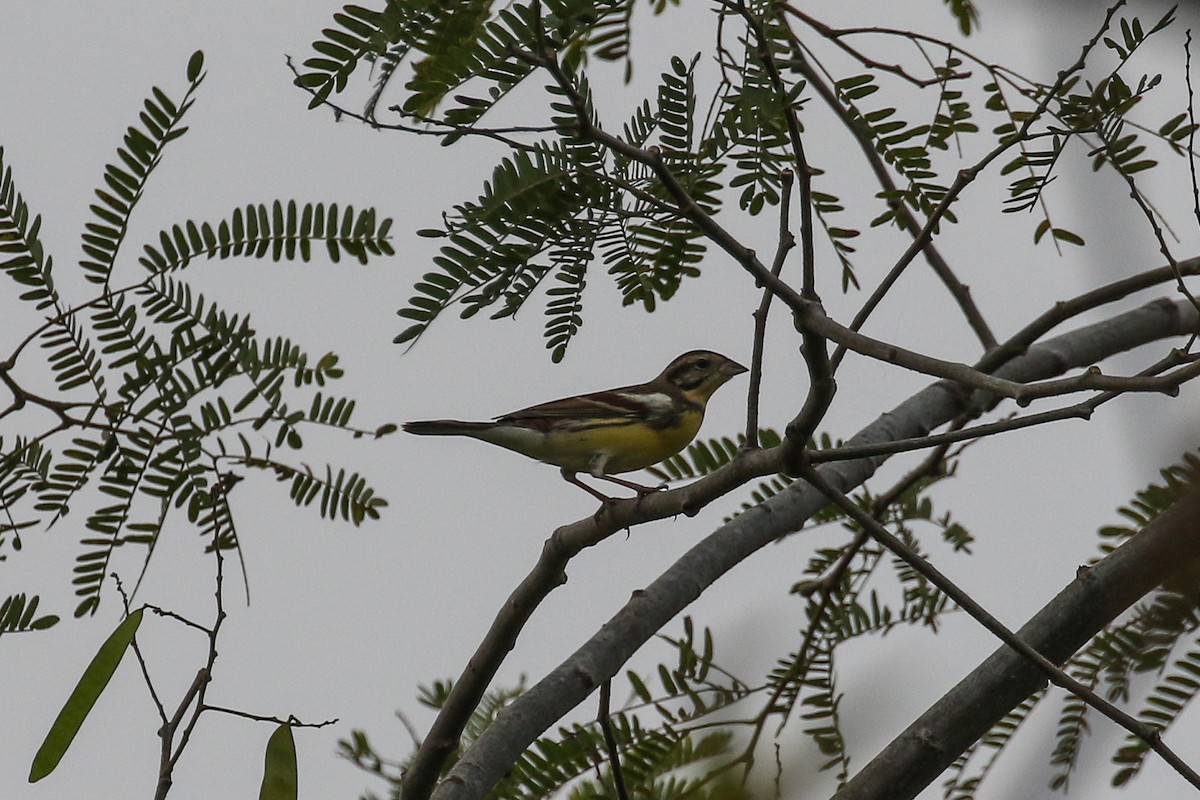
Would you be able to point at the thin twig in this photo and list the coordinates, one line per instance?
(821, 386)
(1083, 410)
(290, 721)
(786, 242)
(836, 36)
(957, 289)
(1191, 106)
(610, 740)
(171, 750)
(137, 652)
(447, 128)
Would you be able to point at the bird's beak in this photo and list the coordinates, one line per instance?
(731, 368)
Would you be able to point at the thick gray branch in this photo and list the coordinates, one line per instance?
(649, 610)
(921, 753)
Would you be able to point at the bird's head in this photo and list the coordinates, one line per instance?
(700, 373)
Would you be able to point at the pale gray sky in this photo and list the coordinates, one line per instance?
(344, 622)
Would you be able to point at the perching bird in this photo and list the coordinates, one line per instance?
(614, 431)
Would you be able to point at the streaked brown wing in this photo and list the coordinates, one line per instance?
(598, 405)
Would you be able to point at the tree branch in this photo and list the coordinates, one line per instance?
(957, 289)
(786, 242)
(1049, 670)
(931, 743)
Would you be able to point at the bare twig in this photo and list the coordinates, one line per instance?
(171, 749)
(786, 242)
(1083, 410)
(137, 652)
(838, 36)
(610, 741)
(291, 721)
(1191, 106)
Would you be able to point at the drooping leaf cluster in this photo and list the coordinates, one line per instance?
(552, 208)
(1097, 114)
(565, 198)
(160, 400)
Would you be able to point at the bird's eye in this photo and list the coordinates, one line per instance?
(703, 363)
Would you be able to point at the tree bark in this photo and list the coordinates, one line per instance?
(916, 757)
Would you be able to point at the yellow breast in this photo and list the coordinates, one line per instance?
(623, 445)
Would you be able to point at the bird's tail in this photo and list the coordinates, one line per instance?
(445, 427)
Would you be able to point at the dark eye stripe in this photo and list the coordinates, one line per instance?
(688, 378)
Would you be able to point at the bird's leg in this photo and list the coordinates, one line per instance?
(596, 470)
(569, 477)
(641, 489)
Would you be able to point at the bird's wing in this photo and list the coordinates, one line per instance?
(629, 402)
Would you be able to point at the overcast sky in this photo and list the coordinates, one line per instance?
(346, 622)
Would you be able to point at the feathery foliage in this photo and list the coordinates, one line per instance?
(553, 205)
(162, 399)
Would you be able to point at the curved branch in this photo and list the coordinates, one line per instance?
(1095, 298)
(546, 576)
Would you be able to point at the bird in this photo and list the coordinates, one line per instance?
(608, 432)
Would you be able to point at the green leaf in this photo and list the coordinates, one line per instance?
(279, 231)
(17, 614)
(279, 770)
(1064, 235)
(22, 256)
(195, 65)
(1042, 228)
(87, 691)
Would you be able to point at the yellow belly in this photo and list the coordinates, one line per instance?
(621, 447)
